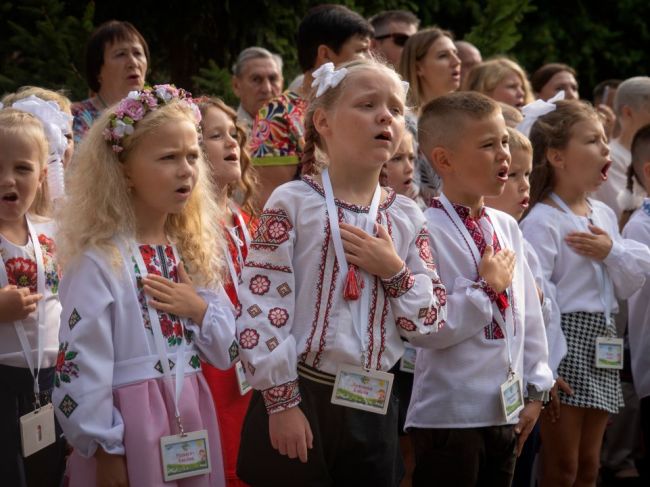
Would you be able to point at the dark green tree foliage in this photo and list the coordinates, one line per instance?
(194, 43)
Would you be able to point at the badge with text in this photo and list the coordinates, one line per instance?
(609, 353)
(185, 455)
(512, 397)
(407, 362)
(37, 429)
(358, 388)
(244, 386)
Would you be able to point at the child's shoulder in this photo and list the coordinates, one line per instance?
(43, 225)
(293, 193)
(637, 225)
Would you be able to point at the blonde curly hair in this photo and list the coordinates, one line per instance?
(99, 207)
(16, 123)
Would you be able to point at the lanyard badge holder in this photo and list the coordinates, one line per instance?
(357, 387)
(244, 386)
(511, 391)
(609, 350)
(36, 428)
(185, 454)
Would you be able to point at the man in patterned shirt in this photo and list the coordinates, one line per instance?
(328, 33)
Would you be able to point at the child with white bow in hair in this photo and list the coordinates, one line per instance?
(338, 270)
(585, 264)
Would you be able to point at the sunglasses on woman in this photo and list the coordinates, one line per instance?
(398, 39)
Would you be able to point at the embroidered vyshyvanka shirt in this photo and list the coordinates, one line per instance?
(107, 341)
(293, 309)
(458, 376)
(21, 267)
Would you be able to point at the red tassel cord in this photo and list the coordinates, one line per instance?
(353, 284)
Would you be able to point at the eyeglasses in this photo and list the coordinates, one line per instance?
(398, 39)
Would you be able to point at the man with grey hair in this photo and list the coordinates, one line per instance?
(469, 56)
(392, 29)
(632, 108)
(257, 78)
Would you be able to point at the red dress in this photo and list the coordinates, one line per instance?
(231, 406)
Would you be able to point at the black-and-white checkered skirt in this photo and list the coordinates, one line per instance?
(592, 387)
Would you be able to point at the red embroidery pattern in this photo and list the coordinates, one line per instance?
(281, 397)
(278, 317)
(260, 285)
(399, 284)
(273, 230)
(268, 266)
(424, 249)
(441, 294)
(406, 324)
(431, 316)
(22, 273)
(248, 339)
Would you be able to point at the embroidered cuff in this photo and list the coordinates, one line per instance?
(282, 397)
(400, 283)
(491, 293)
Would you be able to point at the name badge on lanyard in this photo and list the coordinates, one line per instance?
(609, 350)
(357, 387)
(185, 454)
(242, 382)
(37, 427)
(511, 391)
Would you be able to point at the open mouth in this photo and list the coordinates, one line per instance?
(184, 190)
(231, 158)
(408, 182)
(10, 197)
(603, 171)
(133, 77)
(502, 175)
(525, 202)
(385, 135)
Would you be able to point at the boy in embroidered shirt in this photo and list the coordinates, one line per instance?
(494, 327)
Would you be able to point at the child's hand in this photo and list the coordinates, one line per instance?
(375, 255)
(497, 270)
(290, 433)
(595, 245)
(180, 299)
(16, 303)
(111, 470)
(527, 419)
(553, 409)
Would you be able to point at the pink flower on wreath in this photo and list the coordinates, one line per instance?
(406, 324)
(22, 273)
(260, 285)
(278, 317)
(277, 230)
(248, 338)
(132, 108)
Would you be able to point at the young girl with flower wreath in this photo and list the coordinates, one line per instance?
(329, 286)
(142, 300)
(29, 302)
(224, 143)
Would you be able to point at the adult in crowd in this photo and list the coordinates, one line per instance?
(469, 56)
(328, 33)
(554, 77)
(117, 57)
(431, 65)
(501, 79)
(392, 29)
(256, 79)
(604, 94)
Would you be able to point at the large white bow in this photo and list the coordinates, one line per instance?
(56, 124)
(327, 77)
(537, 109)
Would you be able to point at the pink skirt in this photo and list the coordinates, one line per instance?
(148, 415)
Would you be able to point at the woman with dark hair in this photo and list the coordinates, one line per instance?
(553, 77)
(116, 63)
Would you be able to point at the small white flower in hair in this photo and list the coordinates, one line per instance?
(327, 77)
(537, 109)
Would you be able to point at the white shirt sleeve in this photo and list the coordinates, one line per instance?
(83, 393)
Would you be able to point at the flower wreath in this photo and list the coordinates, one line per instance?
(135, 107)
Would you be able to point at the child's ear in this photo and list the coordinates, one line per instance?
(555, 157)
(321, 123)
(323, 55)
(440, 160)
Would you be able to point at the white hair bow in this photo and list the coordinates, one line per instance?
(56, 124)
(327, 77)
(537, 109)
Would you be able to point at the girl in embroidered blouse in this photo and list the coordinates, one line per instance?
(139, 201)
(224, 143)
(304, 315)
(27, 301)
(586, 265)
